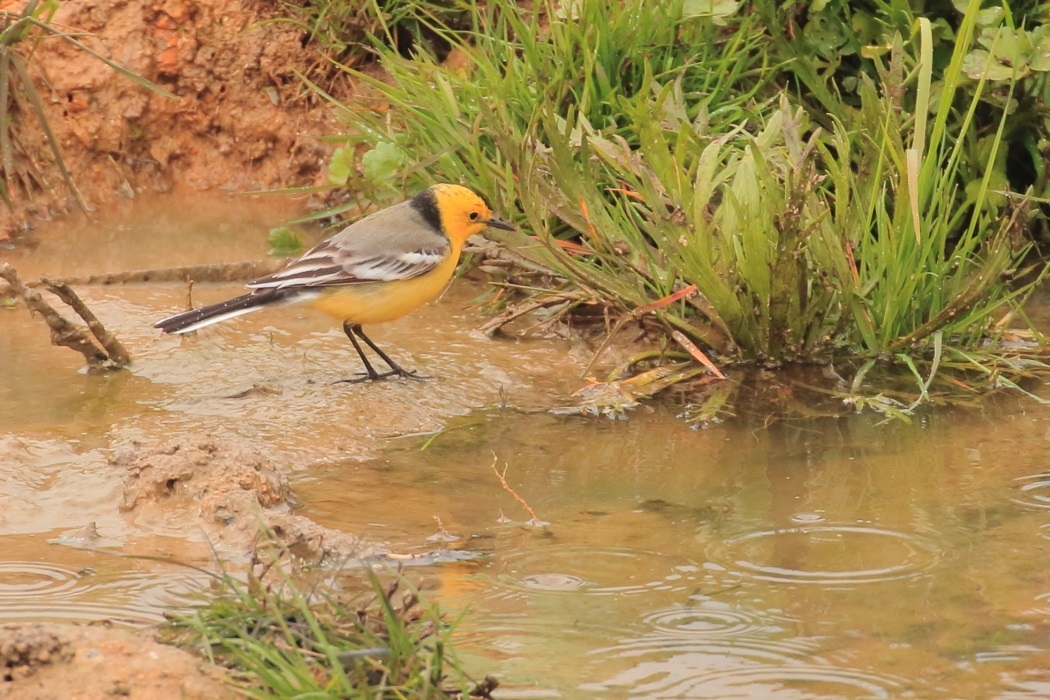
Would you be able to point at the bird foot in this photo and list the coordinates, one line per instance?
(377, 376)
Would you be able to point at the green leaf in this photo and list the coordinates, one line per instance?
(341, 165)
(1040, 59)
(826, 35)
(709, 8)
(989, 17)
(979, 63)
(383, 162)
(283, 241)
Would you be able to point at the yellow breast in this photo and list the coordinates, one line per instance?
(378, 302)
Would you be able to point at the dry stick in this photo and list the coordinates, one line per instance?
(637, 313)
(62, 331)
(525, 308)
(503, 480)
(118, 354)
(492, 253)
(189, 295)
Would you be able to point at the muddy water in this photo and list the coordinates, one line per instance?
(809, 559)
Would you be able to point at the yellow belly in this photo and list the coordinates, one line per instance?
(379, 302)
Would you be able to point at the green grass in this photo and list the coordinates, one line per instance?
(657, 150)
(282, 638)
(473, 125)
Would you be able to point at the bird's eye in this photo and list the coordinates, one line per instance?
(474, 216)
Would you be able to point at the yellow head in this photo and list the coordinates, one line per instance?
(460, 212)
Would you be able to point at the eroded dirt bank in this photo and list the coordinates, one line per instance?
(241, 121)
(225, 489)
(85, 663)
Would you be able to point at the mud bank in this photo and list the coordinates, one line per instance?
(66, 661)
(242, 120)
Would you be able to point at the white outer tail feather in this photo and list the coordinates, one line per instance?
(217, 319)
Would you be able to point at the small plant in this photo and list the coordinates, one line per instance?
(281, 640)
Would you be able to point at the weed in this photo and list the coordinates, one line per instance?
(283, 640)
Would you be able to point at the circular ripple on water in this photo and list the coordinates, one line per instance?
(1041, 607)
(1044, 531)
(599, 572)
(827, 555)
(530, 636)
(739, 669)
(37, 591)
(711, 619)
(795, 681)
(30, 579)
(1034, 491)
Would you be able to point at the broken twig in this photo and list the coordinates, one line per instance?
(118, 354)
(63, 332)
(503, 480)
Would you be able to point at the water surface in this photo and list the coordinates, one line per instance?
(820, 558)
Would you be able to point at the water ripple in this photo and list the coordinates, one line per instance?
(26, 579)
(529, 636)
(45, 591)
(787, 681)
(1042, 607)
(712, 619)
(592, 572)
(730, 671)
(827, 555)
(1034, 491)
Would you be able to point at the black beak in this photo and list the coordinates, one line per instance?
(497, 223)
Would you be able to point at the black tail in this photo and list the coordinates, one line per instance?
(207, 315)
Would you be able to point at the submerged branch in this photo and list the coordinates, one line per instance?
(64, 333)
(215, 272)
(118, 354)
(502, 476)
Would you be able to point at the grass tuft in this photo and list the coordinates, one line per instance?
(284, 639)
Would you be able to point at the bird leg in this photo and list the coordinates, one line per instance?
(370, 374)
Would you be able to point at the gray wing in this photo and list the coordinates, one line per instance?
(391, 244)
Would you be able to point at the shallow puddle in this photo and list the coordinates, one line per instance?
(832, 558)
(825, 558)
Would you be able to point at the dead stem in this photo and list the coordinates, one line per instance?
(118, 354)
(534, 520)
(496, 323)
(63, 332)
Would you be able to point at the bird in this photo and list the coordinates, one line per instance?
(377, 269)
